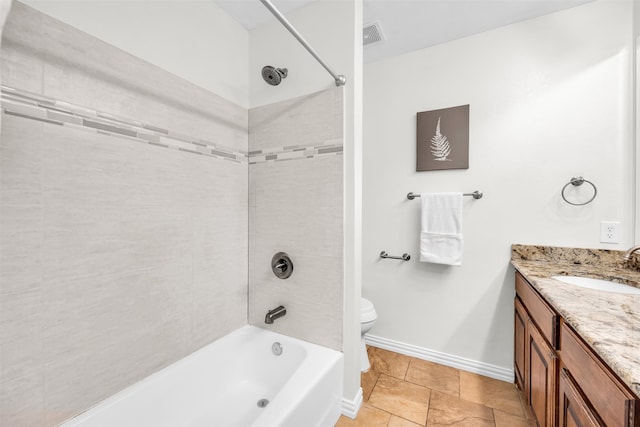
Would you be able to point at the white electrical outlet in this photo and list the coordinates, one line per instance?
(609, 232)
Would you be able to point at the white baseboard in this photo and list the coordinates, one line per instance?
(350, 408)
(457, 362)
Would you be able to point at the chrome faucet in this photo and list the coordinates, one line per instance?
(627, 255)
(274, 314)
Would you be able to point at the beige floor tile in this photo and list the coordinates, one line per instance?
(368, 416)
(368, 381)
(388, 362)
(447, 410)
(525, 406)
(434, 376)
(504, 419)
(490, 392)
(401, 422)
(400, 398)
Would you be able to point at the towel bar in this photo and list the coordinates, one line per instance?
(404, 257)
(476, 195)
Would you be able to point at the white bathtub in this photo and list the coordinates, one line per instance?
(220, 385)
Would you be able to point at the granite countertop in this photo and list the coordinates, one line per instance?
(609, 322)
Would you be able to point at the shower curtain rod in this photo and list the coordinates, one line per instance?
(339, 78)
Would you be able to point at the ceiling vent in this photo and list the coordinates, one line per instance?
(372, 33)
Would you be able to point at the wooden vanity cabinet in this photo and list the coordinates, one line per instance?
(520, 341)
(573, 410)
(563, 379)
(535, 356)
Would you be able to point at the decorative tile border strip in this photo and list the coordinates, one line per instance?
(296, 152)
(24, 104)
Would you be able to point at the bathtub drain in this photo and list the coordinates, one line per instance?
(263, 403)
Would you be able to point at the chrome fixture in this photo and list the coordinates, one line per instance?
(274, 314)
(476, 195)
(627, 255)
(281, 265)
(577, 181)
(273, 75)
(339, 79)
(276, 348)
(404, 257)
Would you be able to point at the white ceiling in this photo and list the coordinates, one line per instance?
(409, 25)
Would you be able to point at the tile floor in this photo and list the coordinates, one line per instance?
(402, 391)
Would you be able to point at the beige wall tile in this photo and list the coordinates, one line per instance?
(22, 401)
(220, 283)
(124, 326)
(21, 300)
(117, 257)
(295, 206)
(316, 118)
(21, 161)
(74, 72)
(20, 248)
(312, 296)
(22, 48)
(21, 333)
(298, 204)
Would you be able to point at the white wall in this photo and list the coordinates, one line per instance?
(332, 29)
(194, 39)
(636, 82)
(550, 99)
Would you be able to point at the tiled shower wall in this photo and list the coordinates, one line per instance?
(123, 219)
(295, 206)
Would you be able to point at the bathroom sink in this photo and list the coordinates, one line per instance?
(598, 284)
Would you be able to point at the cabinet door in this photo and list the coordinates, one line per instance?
(520, 340)
(607, 395)
(573, 410)
(541, 377)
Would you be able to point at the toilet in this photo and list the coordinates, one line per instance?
(368, 317)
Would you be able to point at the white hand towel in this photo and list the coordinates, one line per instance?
(441, 228)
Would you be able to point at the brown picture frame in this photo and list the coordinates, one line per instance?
(442, 139)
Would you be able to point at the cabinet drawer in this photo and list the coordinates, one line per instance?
(542, 314)
(615, 405)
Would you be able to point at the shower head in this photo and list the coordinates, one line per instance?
(273, 75)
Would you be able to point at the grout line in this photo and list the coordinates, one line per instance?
(407, 371)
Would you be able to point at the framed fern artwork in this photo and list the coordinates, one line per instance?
(443, 139)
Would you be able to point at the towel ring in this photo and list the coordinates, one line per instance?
(578, 181)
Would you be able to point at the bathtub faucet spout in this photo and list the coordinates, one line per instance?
(274, 314)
